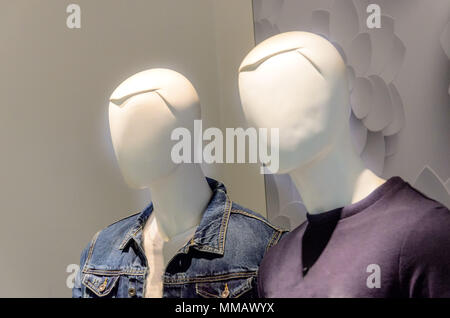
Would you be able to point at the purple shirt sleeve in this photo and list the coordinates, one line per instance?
(424, 262)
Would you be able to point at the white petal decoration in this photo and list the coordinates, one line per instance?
(394, 60)
(429, 183)
(382, 42)
(320, 22)
(359, 54)
(296, 213)
(361, 97)
(445, 40)
(272, 201)
(447, 185)
(350, 77)
(266, 29)
(361, 8)
(344, 22)
(285, 189)
(282, 222)
(374, 152)
(391, 143)
(258, 10)
(267, 9)
(398, 119)
(295, 196)
(381, 112)
(358, 133)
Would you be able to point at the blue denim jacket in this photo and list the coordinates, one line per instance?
(221, 259)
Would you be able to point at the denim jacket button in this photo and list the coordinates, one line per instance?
(225, 292)
(132, 292)
(102, 287)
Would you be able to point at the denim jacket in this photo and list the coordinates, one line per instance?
(220, 260)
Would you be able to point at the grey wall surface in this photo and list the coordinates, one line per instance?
(59, 179)
(402, 127)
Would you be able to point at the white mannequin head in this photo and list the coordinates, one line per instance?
(296, 82)
(143, 111)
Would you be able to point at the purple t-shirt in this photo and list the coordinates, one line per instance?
(393, 243)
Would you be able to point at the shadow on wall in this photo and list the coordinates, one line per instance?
(445, 42)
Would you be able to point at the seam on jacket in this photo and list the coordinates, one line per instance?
(247, 287)
(179, 281)
(131, 232)
(239, 211)
(276, 238)
(94, 289)
(123, 219)
(272, 240)
(204, 293)
(91, 248)
(114, 272)
(225, 220)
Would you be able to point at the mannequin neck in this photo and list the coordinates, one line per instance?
(335, 178)
(180, 199)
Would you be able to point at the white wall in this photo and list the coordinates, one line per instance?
(234, 39)
(60, 182)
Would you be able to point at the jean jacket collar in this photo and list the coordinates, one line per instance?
(210, 234)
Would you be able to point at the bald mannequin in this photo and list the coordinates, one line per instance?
(364, 236)
(143, 112)
(297, 82)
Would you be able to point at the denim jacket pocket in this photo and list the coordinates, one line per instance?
(224, 289)
(100, 285)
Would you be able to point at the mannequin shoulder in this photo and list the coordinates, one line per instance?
(121, 227)
(431, 224)
(245, 223)
(416, 207)
(112, 236)
(251, 217)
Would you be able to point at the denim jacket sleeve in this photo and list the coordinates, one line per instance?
(77, 290)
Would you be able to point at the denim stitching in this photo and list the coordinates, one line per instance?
(273, 239)
(113, 272)
(246, 289)
(93, 288)
(278, 238)
(225, 220)
(209, 278)
(177, 281)
(242, 290)
(234, 210)
(204, 293)
(91, 249)
(132, 232)
(125, 218)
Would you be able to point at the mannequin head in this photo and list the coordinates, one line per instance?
(296, 82)
(143, 111)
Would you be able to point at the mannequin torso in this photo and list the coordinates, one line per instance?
(159, 250)
(192, 240)
(374, 235)
(179, 201)
(144, 110)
